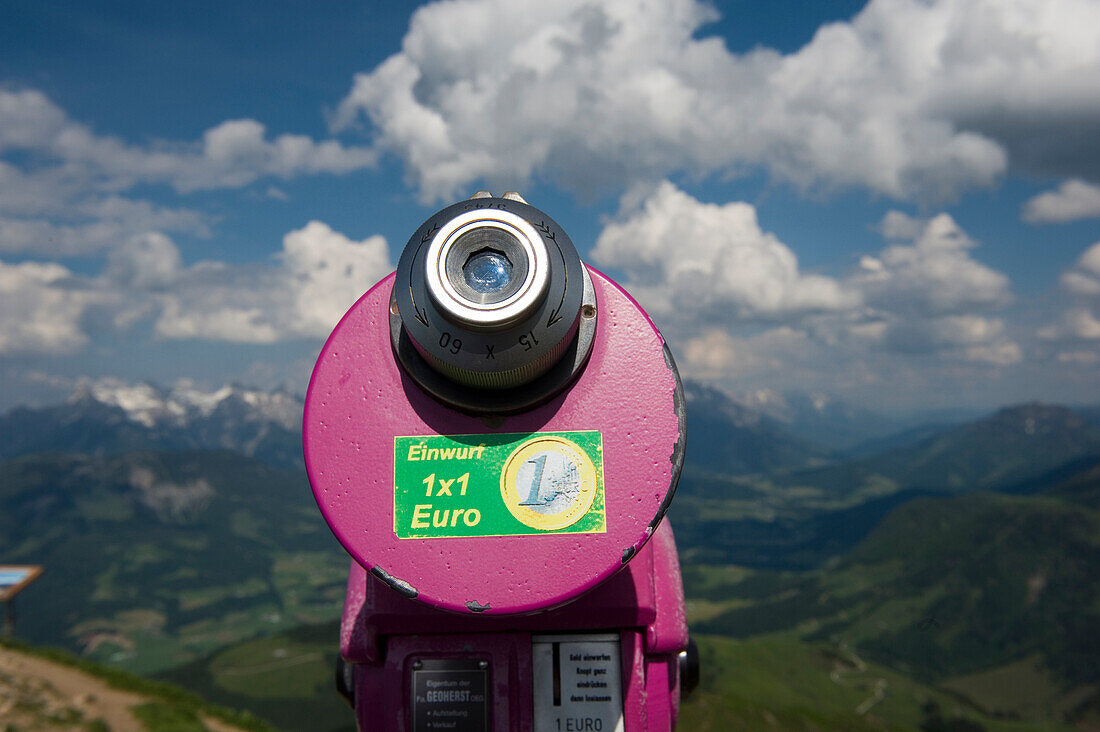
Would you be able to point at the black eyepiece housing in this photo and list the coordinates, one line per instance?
(491, 295)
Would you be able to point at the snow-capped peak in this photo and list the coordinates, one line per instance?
(180, 405)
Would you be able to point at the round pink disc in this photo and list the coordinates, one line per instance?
(360, 401)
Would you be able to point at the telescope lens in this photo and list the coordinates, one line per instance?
(487, 271)
(485, 265)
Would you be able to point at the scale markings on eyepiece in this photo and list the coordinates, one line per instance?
(555, 314)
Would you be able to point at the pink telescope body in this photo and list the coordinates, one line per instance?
(511, 570)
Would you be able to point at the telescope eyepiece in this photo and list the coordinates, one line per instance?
(487, 269)
(491, 295)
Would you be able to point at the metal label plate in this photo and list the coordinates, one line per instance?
(450, 694)
(578, 683)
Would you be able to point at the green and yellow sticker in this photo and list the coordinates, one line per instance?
(498, 485)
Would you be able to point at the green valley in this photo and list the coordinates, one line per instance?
(946, 583)
(154, 559)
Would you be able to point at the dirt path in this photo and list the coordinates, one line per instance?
(37, 694)
(851, 675)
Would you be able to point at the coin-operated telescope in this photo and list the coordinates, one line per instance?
(494, 433)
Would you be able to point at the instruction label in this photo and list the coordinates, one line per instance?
(498, 485)
(577, 683)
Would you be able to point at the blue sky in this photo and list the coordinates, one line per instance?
(894, 203)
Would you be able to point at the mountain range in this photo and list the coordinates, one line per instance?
(753, 432)
(752, 491)
(756, 431)
(109, 417)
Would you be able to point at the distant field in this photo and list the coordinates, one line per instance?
(774, 681)
(1025, 689)
(780, 682)
(884, 593)
(285, 678)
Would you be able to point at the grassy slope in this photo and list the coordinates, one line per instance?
(977, 595)
(168, 706)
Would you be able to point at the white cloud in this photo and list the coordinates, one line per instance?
(27, 194)
(716, 354)
(1082, 283)
(899, 225)
(64, 191)
(1084, 324)
(146, 262)
(712, 355)
(94, 225)
(921, 99)
(1074, 199)
(41, 306)
(1076, 324)
(1084, 278)
(219, 313)
(62, 186)
(741, 311)
(686, 260)
(231, 154)
(30, 120)
(933, 275)
(710, 270)
(925, 294)
(328, 273)
(969, 337)
(999, 353)
(1084, 358)
(236, 153)
(319, 274)
(951, 371)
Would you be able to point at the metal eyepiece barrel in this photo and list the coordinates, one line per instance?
(489, 293)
